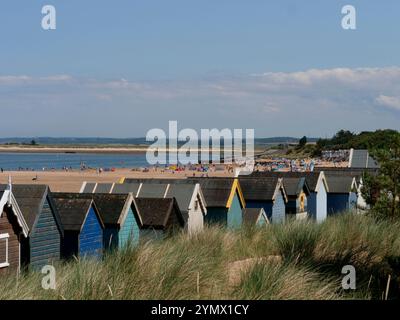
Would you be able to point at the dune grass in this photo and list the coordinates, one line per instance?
(311, 259)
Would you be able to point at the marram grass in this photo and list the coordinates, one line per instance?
(298, 260)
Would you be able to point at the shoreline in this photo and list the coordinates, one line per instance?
(75, 149)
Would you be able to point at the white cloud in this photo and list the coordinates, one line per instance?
(392, 103)
(312, 102)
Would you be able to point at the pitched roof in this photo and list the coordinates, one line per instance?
(219, 192)
(30, 199)
(181, 189)
(341, 184)
(252, 215)
(112, 207)
(312, 178)
(94, 187)
(126, 188)
(155, 213)
(354, 172)
(295, 185)
(104, 187)
(153, 190)
(73, 210)
(88, 187)
(260, 188)
(360, 158)
(7, 197)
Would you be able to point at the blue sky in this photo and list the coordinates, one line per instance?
(120, 68)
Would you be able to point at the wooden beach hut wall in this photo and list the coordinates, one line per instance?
(43, 244)
(267, 193)
(342, 195)
(188, 194)
(359, 175)
(157, 217)
(82, 224)
(297, 192)
(13, 229)
(224, 199)
(116, 212)
(316, 181)
(255, 217)
(120, 226)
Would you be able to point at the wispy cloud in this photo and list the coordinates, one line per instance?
(313, 102)
(392, 103)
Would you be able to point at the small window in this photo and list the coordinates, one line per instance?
(196, 205)
(4, 250)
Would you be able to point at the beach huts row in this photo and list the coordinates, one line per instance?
(282, 195)
(38, 227)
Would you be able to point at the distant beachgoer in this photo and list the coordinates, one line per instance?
(2, 170)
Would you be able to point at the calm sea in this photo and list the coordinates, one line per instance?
(38, 161)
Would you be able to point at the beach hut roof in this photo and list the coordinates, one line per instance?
(31, 199)
(219, 192)
(112, 208)
(357, 173)
(261, 188)
(126, 188)
(153, 190)
(155, 213)
(94, 187)
(183, 190)
(252, 215)
(295, 185)
(360, 158)
(74, 210)
(313, 179)
(7, 199)
(341, 184)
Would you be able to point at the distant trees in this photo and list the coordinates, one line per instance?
(33, 142)
(302, 142)
(345, 139)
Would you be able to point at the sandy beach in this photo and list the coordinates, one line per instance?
(71, 181)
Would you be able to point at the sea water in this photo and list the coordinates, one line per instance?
(57, 161)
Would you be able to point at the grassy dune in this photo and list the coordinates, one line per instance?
(291, 261)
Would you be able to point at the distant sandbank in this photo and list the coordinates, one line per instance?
(83, 149)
